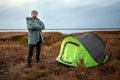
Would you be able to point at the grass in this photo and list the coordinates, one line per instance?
(13, 54)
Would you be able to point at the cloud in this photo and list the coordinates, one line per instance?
(83, 3)
(67, 13)
(15, 3)
(56, 4)
(16, 8)
(59, 4)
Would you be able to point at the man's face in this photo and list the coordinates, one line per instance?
(34, 15)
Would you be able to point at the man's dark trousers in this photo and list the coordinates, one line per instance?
(30, 53)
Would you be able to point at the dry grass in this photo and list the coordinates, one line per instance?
(13, 53)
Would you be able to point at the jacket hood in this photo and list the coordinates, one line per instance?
(29, 18)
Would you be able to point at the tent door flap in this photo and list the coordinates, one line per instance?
(68, 49)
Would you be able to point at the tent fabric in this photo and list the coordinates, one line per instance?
(88, 47)
(94, 45)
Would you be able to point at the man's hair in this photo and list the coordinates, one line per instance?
(34, 12)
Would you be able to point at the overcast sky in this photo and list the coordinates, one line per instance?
(60, 14)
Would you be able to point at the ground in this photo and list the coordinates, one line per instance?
(14, 49)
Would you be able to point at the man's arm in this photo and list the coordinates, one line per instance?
(31, 25)
(41, 24)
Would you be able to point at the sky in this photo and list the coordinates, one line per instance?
(61, 14)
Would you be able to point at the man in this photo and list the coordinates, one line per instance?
(35, 38)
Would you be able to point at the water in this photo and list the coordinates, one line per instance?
(61, 31)
(64, 31)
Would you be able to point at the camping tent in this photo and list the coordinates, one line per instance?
(87, 47)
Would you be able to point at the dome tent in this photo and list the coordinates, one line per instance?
(88, 47)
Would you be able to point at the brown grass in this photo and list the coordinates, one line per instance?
(13, 54)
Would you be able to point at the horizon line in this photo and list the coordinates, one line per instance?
(72, 29)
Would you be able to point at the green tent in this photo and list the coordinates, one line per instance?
(87, 47)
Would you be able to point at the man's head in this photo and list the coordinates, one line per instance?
(34, 14)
